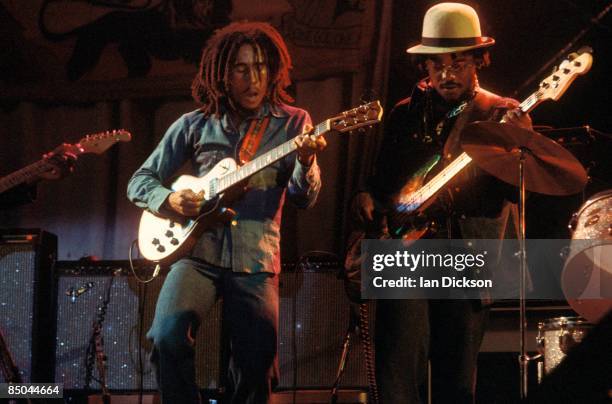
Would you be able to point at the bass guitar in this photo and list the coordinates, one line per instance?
(165, 239)
(406, 220)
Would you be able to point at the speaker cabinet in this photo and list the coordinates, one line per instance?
(26, 258)
(314, 318)
(108, 291)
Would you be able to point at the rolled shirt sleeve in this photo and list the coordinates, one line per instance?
(304, 184)
(146, 188)
(305, 181)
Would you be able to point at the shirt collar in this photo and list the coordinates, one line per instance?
(267, 108)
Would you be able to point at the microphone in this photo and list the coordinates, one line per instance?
(74, 293)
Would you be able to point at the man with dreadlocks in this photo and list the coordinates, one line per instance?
(241, 85)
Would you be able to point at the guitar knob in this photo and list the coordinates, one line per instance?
(155, 241)
(174, 241)
(169, 233)
(171, 224)
(161, 248)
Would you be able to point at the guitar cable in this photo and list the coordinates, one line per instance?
(142, 293)
(156, 271)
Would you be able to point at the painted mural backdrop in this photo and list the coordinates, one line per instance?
(109, 39)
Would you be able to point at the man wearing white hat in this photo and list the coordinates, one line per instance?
(447, 332)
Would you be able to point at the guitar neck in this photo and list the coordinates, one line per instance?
(266, 159)
(531, 102)
(94, 143)
(419, 197)
(23, 175)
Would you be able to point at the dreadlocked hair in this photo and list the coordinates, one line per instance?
(210, 85)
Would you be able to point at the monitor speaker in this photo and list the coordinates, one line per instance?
(26, 265)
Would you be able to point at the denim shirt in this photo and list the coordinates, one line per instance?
(251, 243)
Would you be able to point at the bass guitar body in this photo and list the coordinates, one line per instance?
(409, 221)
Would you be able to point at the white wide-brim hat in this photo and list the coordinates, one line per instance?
(450, 27)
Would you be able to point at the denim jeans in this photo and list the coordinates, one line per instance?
(250, 315)
(409, 332)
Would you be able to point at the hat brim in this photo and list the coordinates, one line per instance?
(432, 50)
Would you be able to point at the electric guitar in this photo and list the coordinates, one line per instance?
(164, 239)
(406, 219)
(97, 143)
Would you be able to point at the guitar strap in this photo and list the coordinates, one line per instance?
(483, 106)
(452, 147)
(252, 139)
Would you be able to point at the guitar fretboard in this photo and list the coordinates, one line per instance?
(414, 200)
(530, 102)
(23, 175)
(266, 159)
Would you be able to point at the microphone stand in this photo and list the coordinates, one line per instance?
(352, 326)
(95, 350)
(523, 358)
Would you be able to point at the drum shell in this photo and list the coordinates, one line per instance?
(556, 336)
(594, 219)
(587, 275)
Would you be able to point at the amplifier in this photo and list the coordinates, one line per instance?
(26, 259)
(315, 314)
(314, 318)
(82, 290)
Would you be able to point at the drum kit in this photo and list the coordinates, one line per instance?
(533, 162)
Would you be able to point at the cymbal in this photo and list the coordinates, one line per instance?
(549, 168)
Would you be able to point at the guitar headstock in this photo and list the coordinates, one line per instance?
(364, 115)
(98, 143)
(553, 86)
